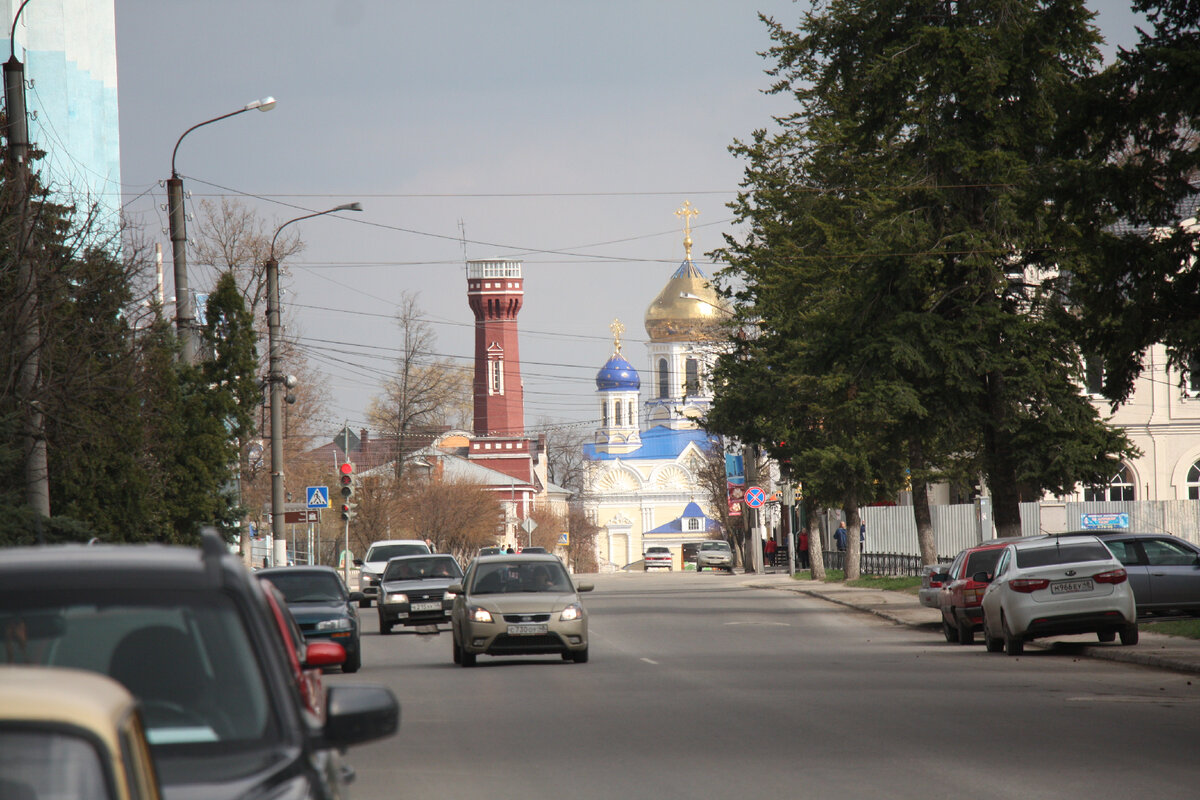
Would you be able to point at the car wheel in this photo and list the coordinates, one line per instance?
(466, 659)
(455, 650)
(1129, 635)
(580, 656)
(353, 662)
(1106, 636)
(966, 633)
(364, 603)
(993, 645)
(385, 627)
(1013, 645)
(949, 631)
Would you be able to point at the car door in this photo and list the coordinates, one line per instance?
(1174, 573)
(1129, 553)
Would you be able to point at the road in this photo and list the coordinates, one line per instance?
(701, 687)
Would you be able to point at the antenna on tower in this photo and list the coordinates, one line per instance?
(462, 236)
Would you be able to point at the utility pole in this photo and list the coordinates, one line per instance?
(753, 556)
(37, 472)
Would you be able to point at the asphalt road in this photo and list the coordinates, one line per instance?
(700, 687)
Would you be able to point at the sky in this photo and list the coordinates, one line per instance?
(562, 134)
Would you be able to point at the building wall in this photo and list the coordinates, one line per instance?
(69, 48)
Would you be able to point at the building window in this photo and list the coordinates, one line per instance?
(629, 420)
(495, 376)
(693, 524)
(1093, 375)
(664, 384)
(691, 377)
(1193, 482)
(1191, 379)
(604, 413)
(617, 412)
(1120, 488)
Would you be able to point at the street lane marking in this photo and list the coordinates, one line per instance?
(650, 661)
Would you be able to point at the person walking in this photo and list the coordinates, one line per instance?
(802, 548)
(839, 537)
(771, 548)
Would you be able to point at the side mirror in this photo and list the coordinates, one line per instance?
(358, 562)
(356, 597)
(982, 577)
(584, 587)
(359, 713)
(324, 654)
(455, 588)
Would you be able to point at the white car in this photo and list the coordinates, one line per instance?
(657, 557)
(1052, 586)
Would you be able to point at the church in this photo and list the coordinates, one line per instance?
(642, 483)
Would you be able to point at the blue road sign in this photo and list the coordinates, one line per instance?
(318, 496)
(755, 497)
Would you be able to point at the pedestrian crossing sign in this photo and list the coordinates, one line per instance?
(318, 496)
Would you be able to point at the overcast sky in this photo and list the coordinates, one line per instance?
(564, 134)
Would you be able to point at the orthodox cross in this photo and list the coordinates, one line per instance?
(687, 212)
(617, 328)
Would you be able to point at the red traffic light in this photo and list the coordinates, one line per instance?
(346, 480)
(346, 468)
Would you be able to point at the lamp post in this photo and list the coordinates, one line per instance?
(178, 228)
(276, 377)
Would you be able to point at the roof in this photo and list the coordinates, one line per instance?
(659, 442)
(65, 696)
(691, 511)
(618, 375)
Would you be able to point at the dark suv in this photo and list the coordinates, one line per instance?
(189, 633)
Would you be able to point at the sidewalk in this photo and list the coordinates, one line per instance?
(1173, 653)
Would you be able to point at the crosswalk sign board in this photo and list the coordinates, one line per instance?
(564, 538)
(318, 496)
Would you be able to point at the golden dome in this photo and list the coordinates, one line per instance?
(688, 309)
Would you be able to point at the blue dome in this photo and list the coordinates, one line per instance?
(618, 375)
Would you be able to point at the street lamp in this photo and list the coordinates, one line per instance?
(178, 227)
(278, 380)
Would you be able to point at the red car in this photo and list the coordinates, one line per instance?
(960, 596)
(305, 659)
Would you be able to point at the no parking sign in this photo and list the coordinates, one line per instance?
(755, 497)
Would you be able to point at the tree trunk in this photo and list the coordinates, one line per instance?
(853, 549)
(816, 550)
(1001, 473)
(921, 514)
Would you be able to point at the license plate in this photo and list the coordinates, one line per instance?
(425, 607)
(1070, 587)
(526, 630)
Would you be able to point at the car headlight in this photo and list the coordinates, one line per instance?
(398, 597)
(333, 625)
(571, 612)
(480, 615)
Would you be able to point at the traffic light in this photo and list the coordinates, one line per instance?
(348, 482)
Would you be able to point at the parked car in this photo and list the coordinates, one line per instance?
(372, 564)
(322, 606)
(714, 554)
(491, 550)
(1164, 570)
(960, 595)
(189, 632)
(1056, 586)
(532, 550)
(932, 576)
(66, 733)
(413, 591)
(657, 557)
(515, 605)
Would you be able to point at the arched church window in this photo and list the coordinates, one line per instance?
(629, 420)
(617, 412)
(604, 413)
(691, 377)
(1193, 482)
(664, 383)
(1119, 488)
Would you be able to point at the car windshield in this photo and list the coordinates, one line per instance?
(1062, 553)
(307, 587)
(418, 569)
(715, 546)
(658, 551)
(982, 561)
(185, 655)
(507, 577)
(386, 551)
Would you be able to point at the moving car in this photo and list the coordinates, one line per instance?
(322, 606)
(189, 632)
(714, 554)
(961, 594)
(306, 661)
(657, 557)
(67, 733)
(372, 564)
(1056, 586)
(513, 605)
(413, 591)
(1164, 570)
